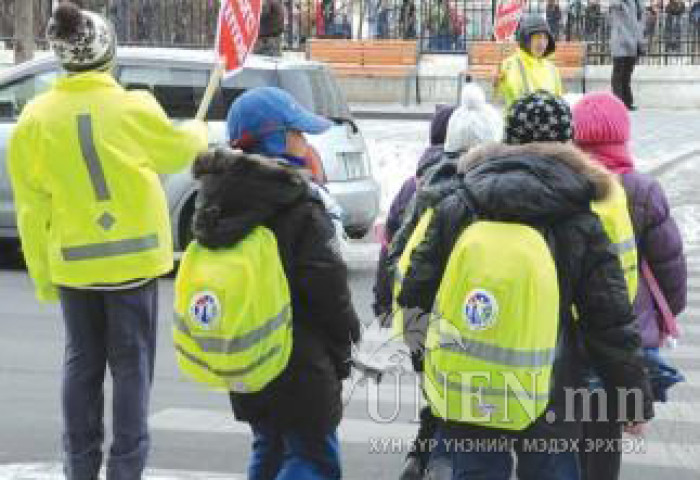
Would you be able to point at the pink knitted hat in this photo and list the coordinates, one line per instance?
(600, 117)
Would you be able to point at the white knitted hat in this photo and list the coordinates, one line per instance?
(474, 122)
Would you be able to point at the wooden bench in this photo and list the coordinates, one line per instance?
(485, 58)
(369, 59)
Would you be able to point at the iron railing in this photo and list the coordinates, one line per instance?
(440, 26)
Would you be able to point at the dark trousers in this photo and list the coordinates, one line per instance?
(600, 463)
(451, 463)
(284, 455)
(115, 329)
(622, 79)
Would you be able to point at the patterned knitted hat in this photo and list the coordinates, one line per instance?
(81, 40)
(538, 117)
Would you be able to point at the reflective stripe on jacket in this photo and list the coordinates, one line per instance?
(84, 161)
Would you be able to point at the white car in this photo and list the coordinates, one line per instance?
(177, 78)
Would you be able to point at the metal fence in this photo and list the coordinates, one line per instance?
(672, 30)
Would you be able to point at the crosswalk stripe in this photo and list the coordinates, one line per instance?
(54, 471)
(665, 454)
(215, 421)
(689, 329)
(694, 283)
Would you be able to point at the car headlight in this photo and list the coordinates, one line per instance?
(356, 164)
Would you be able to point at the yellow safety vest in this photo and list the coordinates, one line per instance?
(614, 214)
(84, 161)
(524, 74)
(417, 236)
(233, 317)
(491, 343)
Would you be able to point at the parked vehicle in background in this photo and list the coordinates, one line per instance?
(177, 78)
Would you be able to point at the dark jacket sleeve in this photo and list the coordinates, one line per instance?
(427, 266)
(321, 284)
(383, 294)
(610, 333)
(661, 244)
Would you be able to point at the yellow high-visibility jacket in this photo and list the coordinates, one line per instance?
(523, 73)
(84, 161)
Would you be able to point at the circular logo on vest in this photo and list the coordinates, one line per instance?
(205, 309)
(480, 309)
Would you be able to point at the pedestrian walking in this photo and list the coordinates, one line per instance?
(553, 15)
(523, 207)
(675, 9)
(626, 45)
(602, 127)
(286, 380)
(473, 122)
(269, 40)
(84, 161)
(529, 68)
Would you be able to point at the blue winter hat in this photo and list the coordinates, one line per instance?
(258, 121)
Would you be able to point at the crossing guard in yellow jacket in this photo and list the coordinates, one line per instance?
(529, 69)
(84, 161)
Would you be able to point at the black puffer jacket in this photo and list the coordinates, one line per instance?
(439, 181)
(239, 192)
(549, 186)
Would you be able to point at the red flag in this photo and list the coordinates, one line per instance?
(239, 23)
(507, 17)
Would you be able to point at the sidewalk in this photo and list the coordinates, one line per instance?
(658, 136)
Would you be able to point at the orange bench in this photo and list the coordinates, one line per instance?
(369, 59)
(485, 58)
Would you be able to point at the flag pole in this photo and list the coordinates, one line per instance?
(214, 80)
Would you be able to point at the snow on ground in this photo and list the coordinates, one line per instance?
(394, 147)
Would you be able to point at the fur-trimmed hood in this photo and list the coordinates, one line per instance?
(240, 191)
(538, 182)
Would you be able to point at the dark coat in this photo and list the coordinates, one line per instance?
(239, 192)
(400, 205)
(549, 186)
(659, 242)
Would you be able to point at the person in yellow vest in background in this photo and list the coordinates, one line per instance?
(92, 216)
(529, 68)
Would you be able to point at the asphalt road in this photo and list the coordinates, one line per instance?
(193, 430)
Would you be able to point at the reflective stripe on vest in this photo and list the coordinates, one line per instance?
(230, 373)
(236, 344)
(110, 249)
(443, 379)
(495, 354)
